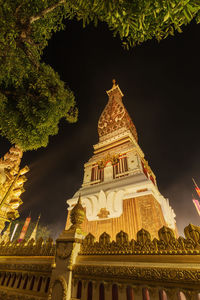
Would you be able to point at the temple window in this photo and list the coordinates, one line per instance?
(79, 290)
(129, 293)
(8, 281)
(114, 292)
(3, 279)
(14, 279)
(121, 167)
(144, 170)
(39, 284)
(25, 282)
(32, 283)
(97, 174)
(19, 282)
(47, 285)
(101, 292)
(89, 291)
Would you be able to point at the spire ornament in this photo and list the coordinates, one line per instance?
(77, 215)
(114, 83)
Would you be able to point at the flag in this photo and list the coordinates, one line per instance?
(196, 187)
(33, 234)
(197, 190)
(24, 229)
(197, 205)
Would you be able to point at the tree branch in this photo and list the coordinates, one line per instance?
(46, 11)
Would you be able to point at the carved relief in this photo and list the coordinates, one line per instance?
(64, 250)
(166, 244)
(138, 273)
(57, 283)
(115, 116)
(32, 248)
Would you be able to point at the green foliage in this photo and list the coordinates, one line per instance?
(33, 99)
(43, 231)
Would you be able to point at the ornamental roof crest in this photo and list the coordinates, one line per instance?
(115, 115)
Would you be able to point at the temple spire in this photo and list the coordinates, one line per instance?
(115, 118)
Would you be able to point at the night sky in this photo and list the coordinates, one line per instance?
(160, 82)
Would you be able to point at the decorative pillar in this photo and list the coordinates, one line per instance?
(172, 294)
(108, 290)
(153, 293)
(67, 248)
(121, 292)
(137, 292)
(84, 289)
(43, 285)
(35, 285)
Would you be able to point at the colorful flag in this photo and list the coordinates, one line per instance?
(24, 229)
(196, 187)
(34, 233)
(197, 205)
(197, 190)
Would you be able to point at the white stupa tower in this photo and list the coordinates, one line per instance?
(119, 190)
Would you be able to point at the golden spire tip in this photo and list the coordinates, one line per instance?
(114, 82)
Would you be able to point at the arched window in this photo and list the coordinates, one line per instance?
(162, 295)
(39, 284)
(145, 294)
(32, 283)
(89, 294)
(121, 167)
(79, 290)
(47, 285)
(129, 293)
(97, 174)
(181, 296)
(114, 292)
(101, 292)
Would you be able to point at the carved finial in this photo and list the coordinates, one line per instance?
(77, 215)
(114, 83)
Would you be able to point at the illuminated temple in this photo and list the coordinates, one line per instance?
(119, 190)
(120, 240)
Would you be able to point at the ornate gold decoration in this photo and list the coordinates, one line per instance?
(103, 213)
(32, 248)
(114, 83)
(115, 115)
(27, 267)
(138, 273)
(77, 215)
(63, 282)
(11, 184)
(114, 159)
(166, 244)
(64, 250)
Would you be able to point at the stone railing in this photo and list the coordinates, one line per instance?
(166, 244)
(30, 248)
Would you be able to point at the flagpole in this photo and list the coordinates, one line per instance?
(194, 182)
(16, 225)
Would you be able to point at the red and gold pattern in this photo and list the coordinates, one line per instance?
(115, 115)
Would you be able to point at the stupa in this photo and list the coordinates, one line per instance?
(119, 190)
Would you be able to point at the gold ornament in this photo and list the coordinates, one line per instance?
(77, 215)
